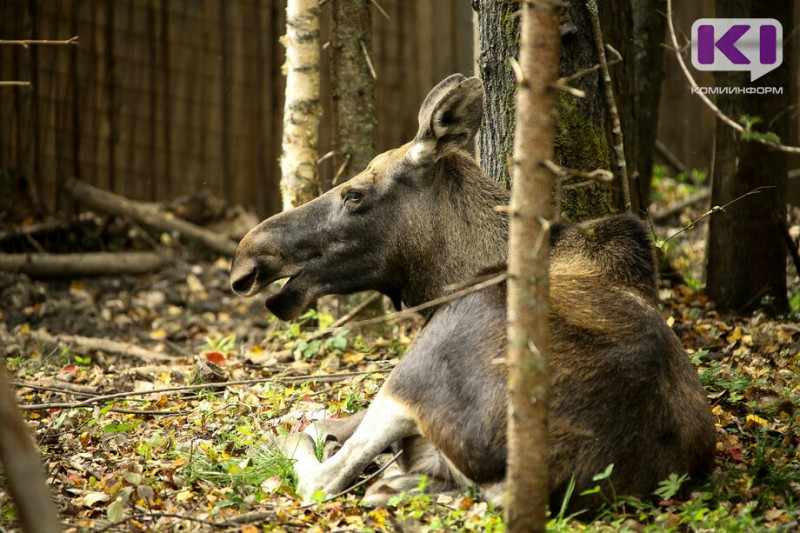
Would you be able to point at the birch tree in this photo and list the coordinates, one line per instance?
(527, 494)
(301, 111)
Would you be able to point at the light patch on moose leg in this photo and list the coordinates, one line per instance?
(387, 420)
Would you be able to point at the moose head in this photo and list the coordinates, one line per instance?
(418, 218)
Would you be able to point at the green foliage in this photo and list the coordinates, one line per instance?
(224, 344)
(445, 514)
(751, 135)
(669, 487)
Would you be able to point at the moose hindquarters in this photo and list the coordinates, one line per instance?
(623, 392)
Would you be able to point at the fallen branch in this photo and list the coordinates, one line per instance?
(671, 158)
(103, 345)
(659, 215)
(87, 264)
(99, 399)
(59, 387)
(149, 216)
(22, 469)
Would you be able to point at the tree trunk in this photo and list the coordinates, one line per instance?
(636, 30)
(23, 471)
(746, 252)
(301, 112)
(354, 117)
(527, 495)
(581, 129)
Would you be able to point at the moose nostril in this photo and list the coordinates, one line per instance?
(243, 284)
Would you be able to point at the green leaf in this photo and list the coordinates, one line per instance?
(114, 513)
(605, 474)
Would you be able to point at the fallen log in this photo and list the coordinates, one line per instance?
(88, 264)
(148, 215)
(102, 345)
(660, 215)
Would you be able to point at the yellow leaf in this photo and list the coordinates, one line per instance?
(25, 329)
(755, 420)
(353, 357)
(671, 321)
(184, 496)
(158, 334)
(734, 335)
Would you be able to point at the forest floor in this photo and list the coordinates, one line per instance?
(187, 447)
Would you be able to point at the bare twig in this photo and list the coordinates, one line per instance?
(341, 169)
(369, 61)
(25, 43)
(494, 279)
(705, 99)
(379, 8)
(564, 173)
(326, 157)
(588, 70)
(13, 83)
(715, 209)
(611, 106)
(357, 309)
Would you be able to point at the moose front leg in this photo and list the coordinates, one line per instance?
(385, 422)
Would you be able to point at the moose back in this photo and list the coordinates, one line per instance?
(423, 217)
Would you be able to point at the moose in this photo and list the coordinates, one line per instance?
(417, 221)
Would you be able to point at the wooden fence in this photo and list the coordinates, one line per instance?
(165, 98)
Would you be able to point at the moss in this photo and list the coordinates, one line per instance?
(582, 144)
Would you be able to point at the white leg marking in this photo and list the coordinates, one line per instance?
(386, 421)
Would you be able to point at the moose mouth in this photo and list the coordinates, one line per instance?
(289, 300)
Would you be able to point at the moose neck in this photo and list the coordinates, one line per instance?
(467, 233)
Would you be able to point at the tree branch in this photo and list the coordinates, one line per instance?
(706, 100)
(608, 92)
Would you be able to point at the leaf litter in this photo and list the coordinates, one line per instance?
(185, 444)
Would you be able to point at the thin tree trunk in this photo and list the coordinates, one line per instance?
(527, 494)
(23, 471)
(746, 252)
(301, 112)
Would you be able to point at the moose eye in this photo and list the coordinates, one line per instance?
(353, 196)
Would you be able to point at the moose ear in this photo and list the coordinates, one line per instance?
(449, 117)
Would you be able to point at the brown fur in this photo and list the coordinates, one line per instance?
(423, 217)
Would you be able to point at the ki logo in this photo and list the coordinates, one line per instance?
(755, 45)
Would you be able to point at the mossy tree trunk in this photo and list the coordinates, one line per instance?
(582, 129)
(746, 251)
(301, 111)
